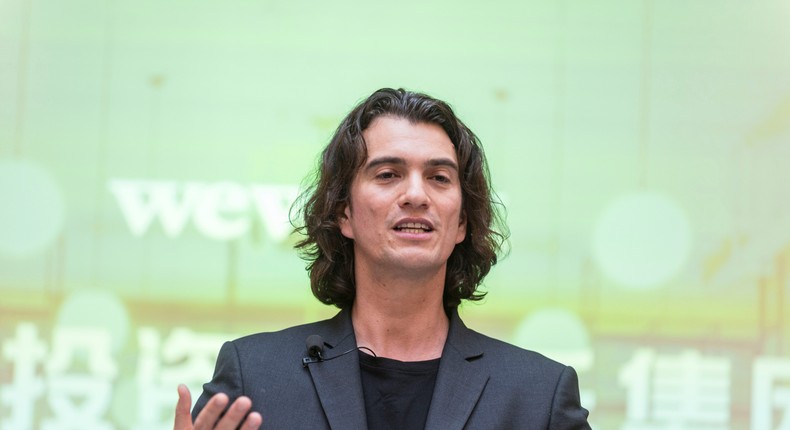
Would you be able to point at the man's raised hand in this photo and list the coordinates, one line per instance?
(209, 417)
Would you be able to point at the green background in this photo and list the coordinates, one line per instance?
(640, 147)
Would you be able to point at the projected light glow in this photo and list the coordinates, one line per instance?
(642, 240)
(33, 209)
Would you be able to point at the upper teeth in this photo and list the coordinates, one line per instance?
(414, 225)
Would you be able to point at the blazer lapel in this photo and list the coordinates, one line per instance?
(460, 380)
(337, 381)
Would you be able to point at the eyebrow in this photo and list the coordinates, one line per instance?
(433, 162)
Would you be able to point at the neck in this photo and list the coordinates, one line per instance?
(401, 318)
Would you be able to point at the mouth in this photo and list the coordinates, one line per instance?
(413, 227)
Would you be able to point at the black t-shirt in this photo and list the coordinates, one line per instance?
(397, 393)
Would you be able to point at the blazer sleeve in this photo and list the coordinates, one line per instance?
(567, 412)
(227, 378)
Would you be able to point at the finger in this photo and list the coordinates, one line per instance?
(183, 416)
(235, 414)
(253, 421)
(211, 412)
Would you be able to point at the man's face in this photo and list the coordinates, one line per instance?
(405, 211)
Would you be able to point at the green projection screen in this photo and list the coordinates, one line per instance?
(150, 152)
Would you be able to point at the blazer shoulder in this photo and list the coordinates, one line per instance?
(507, 355)
(292, 338)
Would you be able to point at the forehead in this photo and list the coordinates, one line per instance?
(395, 136)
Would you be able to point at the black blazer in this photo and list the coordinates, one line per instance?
(483, 383)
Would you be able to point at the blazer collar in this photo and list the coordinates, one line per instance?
(459, 383)
(461, 378)
(337, 381)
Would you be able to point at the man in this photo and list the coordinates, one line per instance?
(399, 228)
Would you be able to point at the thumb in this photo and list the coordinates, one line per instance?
(183, 415)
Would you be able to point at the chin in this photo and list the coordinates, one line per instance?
(423, 263)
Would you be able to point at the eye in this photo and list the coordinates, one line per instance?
(385, 175)
(444, 179)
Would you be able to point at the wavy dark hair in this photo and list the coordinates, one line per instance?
(330, 255)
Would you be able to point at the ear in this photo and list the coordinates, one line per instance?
(343, 220)
(461, 228)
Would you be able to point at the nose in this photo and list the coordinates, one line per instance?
(415, 192)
